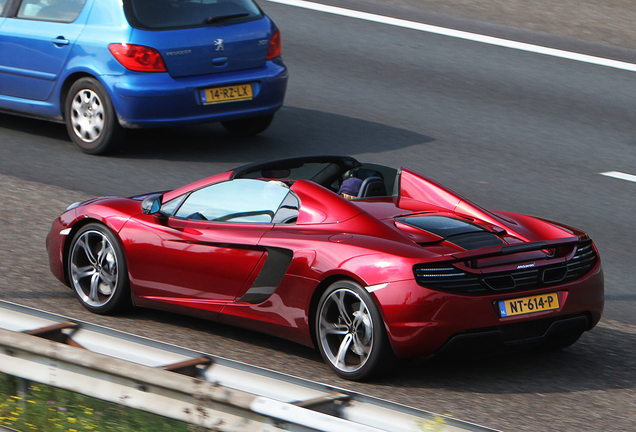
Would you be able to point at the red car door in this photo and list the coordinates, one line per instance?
(202, 248)
(190, 263)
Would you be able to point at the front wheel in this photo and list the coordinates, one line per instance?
(249, 126)
(90, 118)
(350, 332)
(97, 270)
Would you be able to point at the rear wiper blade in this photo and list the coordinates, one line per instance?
(216, 19)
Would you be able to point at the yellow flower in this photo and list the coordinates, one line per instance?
(72, 420)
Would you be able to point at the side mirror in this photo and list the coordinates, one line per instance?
(152, 204)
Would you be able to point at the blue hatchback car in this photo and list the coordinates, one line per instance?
(102, 66)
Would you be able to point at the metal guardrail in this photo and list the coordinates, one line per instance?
(187, 385)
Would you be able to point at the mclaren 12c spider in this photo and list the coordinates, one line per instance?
(405, 269)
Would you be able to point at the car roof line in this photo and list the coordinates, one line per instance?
(346, 162)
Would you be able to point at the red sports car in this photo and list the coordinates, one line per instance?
(407, 268)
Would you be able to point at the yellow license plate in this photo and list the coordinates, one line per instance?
(227, 94)
(526, 305)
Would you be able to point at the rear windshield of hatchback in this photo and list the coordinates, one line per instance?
(175, 14)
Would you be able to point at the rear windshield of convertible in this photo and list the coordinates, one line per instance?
(176, 14)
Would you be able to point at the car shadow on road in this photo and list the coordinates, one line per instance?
(294, 132)
(200, 327)
(41, 128)
(602, 359)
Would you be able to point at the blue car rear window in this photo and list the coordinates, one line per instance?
(173, 14)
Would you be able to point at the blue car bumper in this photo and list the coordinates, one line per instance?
(159, 100)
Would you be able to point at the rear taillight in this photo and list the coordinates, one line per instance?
(138, 58)
(275, 47)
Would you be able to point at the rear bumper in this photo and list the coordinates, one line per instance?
(513, 337)
(158, 100)
(420, 321)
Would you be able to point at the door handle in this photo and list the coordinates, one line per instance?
(60, 40)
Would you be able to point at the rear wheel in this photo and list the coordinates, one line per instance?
(350, 331)
(97, 270)
(90, 117)
(249, 126)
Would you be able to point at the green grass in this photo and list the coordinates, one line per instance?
(45, 408)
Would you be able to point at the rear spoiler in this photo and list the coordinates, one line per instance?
(518, 248)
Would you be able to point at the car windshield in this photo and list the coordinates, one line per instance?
(241, 200)
(173, 14)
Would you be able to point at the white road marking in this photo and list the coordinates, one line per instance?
(617, 325)
(620, 175)
(459, 34)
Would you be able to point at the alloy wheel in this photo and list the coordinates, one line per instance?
(345, 330)
(94, 268)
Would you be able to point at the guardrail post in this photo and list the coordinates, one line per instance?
(22, 392)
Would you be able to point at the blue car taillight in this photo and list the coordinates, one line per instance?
(138, 58)
(275, 46)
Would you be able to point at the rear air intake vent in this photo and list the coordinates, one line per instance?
(446, 277)
(583, 260)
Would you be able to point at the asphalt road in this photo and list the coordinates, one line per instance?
(611, 23)
(507, 129)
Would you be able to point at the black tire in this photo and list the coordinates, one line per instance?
(350, 332)
(97, 270)
(249, 126)
(90, 118)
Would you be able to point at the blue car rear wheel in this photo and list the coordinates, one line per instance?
(90, 117)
